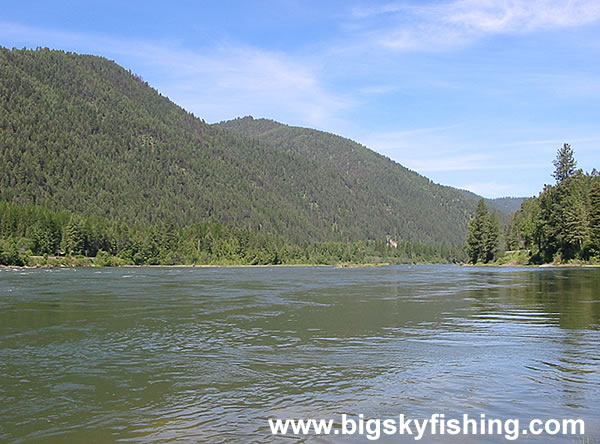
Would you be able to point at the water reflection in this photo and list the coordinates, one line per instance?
(209, 354)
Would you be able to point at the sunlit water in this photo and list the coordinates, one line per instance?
(208, 354)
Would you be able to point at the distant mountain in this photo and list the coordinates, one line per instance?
(80, 133)
(505, 205)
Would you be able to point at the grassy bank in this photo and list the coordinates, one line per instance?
(524, 258)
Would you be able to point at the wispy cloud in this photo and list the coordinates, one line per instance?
(215, 83)
(459, 162)
(361, 12)
(428, 150)
(382, 69)
(495, 16)
(568, 85)
(378, 89)
(443, 150)
(491, 189)
(250, 81)
(444, 25)
(552, 142)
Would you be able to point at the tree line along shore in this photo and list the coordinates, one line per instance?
(561, 226)
(36, 236)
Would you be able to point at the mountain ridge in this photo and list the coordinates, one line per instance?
(81, 133)
(264, 127)
(289, 138)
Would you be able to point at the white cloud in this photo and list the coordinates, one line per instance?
(428, 158)
(429, 150)
(364, 12)
(375, 90)
(491, 189)
(441, 26)
(444, 149)
(521, 15)
(554, 143)
(230, 81)
(460, 162)
(573, 84)
(216, 84)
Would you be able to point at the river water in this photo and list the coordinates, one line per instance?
(209, 354)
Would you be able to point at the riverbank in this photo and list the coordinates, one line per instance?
(551, 265)
(41, 262)
(523, 258)
(345, 265)
(519, 258)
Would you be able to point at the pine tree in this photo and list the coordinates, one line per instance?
(492, 238)
(575, 220)
(595, 216)
(73, 241)
(482, 235)
(564, 163)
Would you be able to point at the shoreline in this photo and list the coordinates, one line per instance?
(339, 266)
(40, 267)
(549, 265)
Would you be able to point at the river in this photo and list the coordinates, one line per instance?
(210, 354)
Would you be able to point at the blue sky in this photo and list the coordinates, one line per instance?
(476, 94)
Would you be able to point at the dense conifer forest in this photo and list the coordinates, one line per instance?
(96, 162)
(33, 235)
(98, 167)
(361, 167)
(562, 224)
(80, 133)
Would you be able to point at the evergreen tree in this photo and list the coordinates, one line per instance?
(576, 219)
(595, 217)
(564, 163)
(482, 235)
(80, 133)
(492, 238)
(73, 238)
(562, 223)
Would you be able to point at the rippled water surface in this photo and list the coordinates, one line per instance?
(208, 354)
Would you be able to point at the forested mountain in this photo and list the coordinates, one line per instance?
(504, 205)
(338, 152)
(80, 133)
(412, 206)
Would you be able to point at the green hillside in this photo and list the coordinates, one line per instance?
(407, 204)
(83, 134)
(80, 133)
